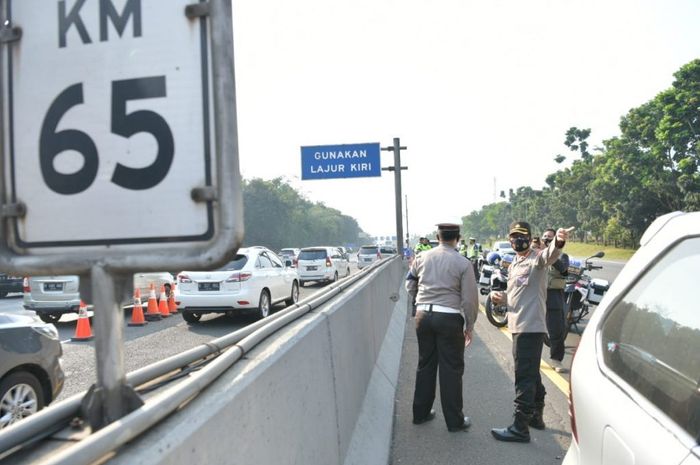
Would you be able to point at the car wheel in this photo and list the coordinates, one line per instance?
(167, 290)
(264, 304)
(50, 317)
(294, 296)
(335, 277)
(348, 273)
(191, 317)
(20, 396)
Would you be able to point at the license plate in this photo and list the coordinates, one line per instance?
(53, 286)
(311, 268)
(208, 286)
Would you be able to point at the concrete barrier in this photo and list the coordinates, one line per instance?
(320, 391)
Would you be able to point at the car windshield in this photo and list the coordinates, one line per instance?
(387, 250)
(313, 254)
(503, 245)
(237, 264)
(368, 250)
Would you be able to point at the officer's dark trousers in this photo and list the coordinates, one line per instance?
(556, 327)
(440, 348)
(529, 391)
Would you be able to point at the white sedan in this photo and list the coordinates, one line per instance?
(255, 280)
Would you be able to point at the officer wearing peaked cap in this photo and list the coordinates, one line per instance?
(525, 298)
(441, 282)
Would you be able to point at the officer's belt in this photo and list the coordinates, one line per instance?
(436, 308)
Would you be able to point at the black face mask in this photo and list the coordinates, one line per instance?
(520, 244)
(547, 241)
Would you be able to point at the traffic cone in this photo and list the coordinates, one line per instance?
(137, 312)
(82, 330)
(152, 314)
(172, 306)
(163, 303)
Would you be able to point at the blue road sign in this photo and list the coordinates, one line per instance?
(340, 161)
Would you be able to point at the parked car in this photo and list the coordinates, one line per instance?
(503, 247)
(634, 380)
(143, 282)
(367, 255)
(322, 264)
(290, 254)
(30, 366)
(51, 296)
(253, 281)
(10, 284)
(387, 250)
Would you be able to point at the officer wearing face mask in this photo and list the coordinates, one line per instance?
(525, 298)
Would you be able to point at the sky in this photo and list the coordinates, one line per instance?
(480, 92)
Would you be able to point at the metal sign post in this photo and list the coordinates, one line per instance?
(396, 148)
(118, 150)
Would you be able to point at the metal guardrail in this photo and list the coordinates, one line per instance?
(227, 350)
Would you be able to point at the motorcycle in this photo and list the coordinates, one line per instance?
(496, 272)
(582, 292)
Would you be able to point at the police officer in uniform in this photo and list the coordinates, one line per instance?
(442, 283)
(525, 297)
(556, 321)
(423, 245)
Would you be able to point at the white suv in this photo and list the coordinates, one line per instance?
(321, 264)
(367, 255)
(634, 379)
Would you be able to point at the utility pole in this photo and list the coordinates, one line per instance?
(397, 148)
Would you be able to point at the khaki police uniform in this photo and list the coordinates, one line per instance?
(442, 283)
(556, 320)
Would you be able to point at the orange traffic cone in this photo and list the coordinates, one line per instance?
(137, 312)
(82, 330)
(172, 306)
(152, 314)
(163, 303)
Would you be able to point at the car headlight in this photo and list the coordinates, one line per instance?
(49, 331)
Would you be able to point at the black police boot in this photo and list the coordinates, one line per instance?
(517, 432)
(537, 421)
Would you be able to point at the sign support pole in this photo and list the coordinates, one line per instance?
(111, 398)
(396, 148)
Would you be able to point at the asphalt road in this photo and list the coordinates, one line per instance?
(142, 345)
(157, 340)
(488, 400)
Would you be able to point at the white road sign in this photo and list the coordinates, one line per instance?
(108, 123)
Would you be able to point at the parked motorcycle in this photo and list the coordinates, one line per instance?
(582, 292)
(496, 271)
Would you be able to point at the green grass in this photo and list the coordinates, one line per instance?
(581, 250)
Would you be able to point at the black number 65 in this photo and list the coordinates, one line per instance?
(52, 142)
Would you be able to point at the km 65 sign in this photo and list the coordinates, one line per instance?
(109, 129)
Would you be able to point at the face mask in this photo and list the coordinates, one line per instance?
(520, 244)
(546, 241)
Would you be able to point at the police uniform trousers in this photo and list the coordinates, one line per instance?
(440, 349)
(529, 390)
(556, 323)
